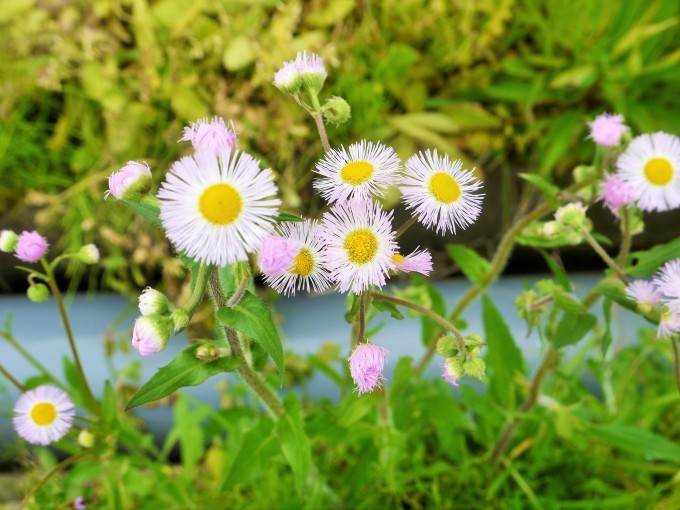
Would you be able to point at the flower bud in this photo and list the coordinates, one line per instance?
(207, 352)
(130, 182)
(551, 229)
(366, 365)
(454, 367)
(287, 79)
(572, 215)
(606, 130)
(31, 246)
(180, 318)
(336, 110)
(474, 367)
(151, 334)
(86, 439)
(88, 254)
(38, 292)
(8, 241)
(447, 346)
(448, 375)
(311, 71)
(210, 134)
(153, 302)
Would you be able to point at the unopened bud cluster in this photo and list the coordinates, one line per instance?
(462, 357)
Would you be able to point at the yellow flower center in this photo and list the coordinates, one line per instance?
(303, 263)
(220, 204)
(361, 246)
(397, 258)
(444, 188)
(44, 413)
(659, 171)
(356, 172)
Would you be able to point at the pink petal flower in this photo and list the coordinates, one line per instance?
(277, 255)
(606, 130)
(212, 135)
(366, 365)
(615, 193)
(132, 177)
(151, 334)
(31, 246)
(418, 261)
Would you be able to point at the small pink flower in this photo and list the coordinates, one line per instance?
(43, 415)
(151, 334)
(606, 130)
(667, 279)
(79, 503)
(615, 193)
(212, 135)
(644, 292)
(449, 376)
(669, 323)
(418, 261)
(133, 177)
(277, 255)
(366, 365)
(31, 246)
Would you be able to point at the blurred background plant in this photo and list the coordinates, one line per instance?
(505, 85)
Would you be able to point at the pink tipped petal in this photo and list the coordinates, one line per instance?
(31, 246)
(606, 130)
(366, 365)
(644, 292)
(130, 176)
(615, 193)
(277, 255)
(418, 261)
(210, 134)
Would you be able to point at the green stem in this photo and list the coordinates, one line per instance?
(603, 254)
(427, 312)
(11, 379)
(249, 376)
(405, 226)
(498, 263)
(62, 465)
(238, 293)
(361, 330)
(12, 341)
(199, 290)
(318, 118)
(69, 333)
(626, 238)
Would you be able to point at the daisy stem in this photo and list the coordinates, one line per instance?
(318, 117)
(498, 263)
(676, 358)
(603, 254)
(238, 293)
(405, 227)
(626, 238)
(69, 333)
(13, 342)
(429, 313)
(199, 290)
(361, 331)
(11, 379)
(249, 376)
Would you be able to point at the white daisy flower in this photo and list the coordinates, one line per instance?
(651, 168)
(359, 243)
(440, 193)
(43, 415)
(363, 171)
(217, 208)
(308, 270)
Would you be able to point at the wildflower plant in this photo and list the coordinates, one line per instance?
(220, 208)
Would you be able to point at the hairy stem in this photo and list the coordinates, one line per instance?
(405, 227)
(626, 238)
(249, 376)
(238, 293)
(69, 334)
(199, 290)
(11, 379)
(318, 118)
(603, 255)
(534, 389)
(361, 329)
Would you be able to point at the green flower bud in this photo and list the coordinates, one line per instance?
(455, 366)
(447, 346)
(551, 229)
(38, 292)
(8, 241)
(180, 318)
(572, 216)
(336, 110)
(86, 439)
(207, 352)
(474, 367)
(152, 302)
(88, 254)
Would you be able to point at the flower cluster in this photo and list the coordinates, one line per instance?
(305, 71)
(647, 172)
(662, 291)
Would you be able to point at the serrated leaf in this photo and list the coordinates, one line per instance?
(184, 370)
(384, 306)
(572, 327)
(294, 441)
(149, 212)
(252, 318)
(504, 359)
(647, 262)
(473, 265)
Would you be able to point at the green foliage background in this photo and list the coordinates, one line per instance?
(507, 85)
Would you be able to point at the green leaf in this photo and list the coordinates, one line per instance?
(647, 262)
(560, 274)
(252, 318)
(568, 302)
(616, 291)
(352, 307)
(504, 359)
(548, 189)
(109, 405)
(294, 441)
(284, 216)
(637, 441)
(184, 370)
(572, 327)
(607, 335)
(384, 306)
(252, 456)
(473, 265)
(149, 212)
